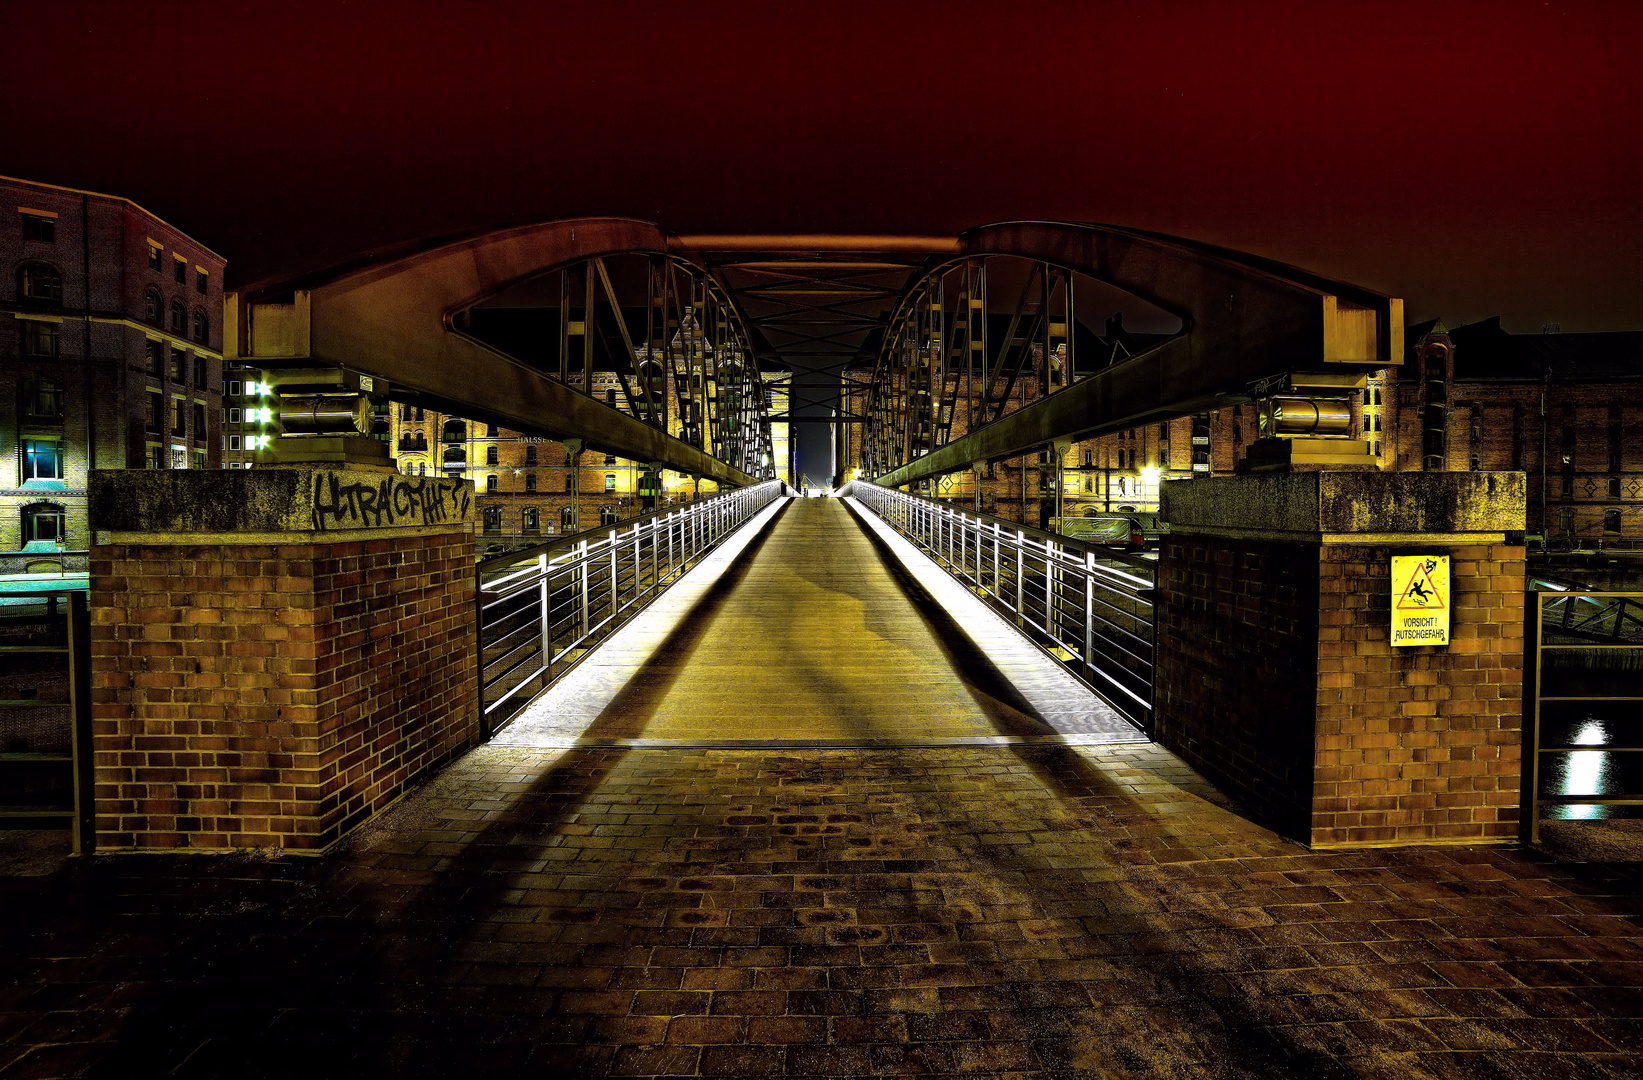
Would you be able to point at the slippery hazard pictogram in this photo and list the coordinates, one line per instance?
(1420, 610)
(1421, 591)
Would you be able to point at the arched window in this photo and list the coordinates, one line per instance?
(1611, 521)
(43, 522)
(493, 519)
(454, 431)
(202, 325)
(455, 455)
(179, 317)
(152, 307)
(533, 519)
(567, 519)
(38, 283)
(421, 441)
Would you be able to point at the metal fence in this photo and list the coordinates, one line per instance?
(45, 709)
(543, 609)
(1585, 688)
(1090, 607)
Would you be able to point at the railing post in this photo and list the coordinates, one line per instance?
(585, 586)
(1020, 573)
(84, 834)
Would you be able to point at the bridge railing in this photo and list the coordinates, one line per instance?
(1092, 608)
(543, 609)
(45, 708)
(1583, 694)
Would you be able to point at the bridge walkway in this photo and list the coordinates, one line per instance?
(817, 626)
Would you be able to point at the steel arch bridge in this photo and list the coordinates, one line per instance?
(924, 342)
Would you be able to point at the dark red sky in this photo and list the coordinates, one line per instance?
(1474, 158)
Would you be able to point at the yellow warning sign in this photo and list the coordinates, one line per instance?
(1420, 600)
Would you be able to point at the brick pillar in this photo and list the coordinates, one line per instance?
(1276, 676)
(277, 653)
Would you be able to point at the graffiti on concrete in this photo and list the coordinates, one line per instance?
(345, 501)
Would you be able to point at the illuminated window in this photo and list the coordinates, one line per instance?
(42, 459)
(43, 521)
(610, 481)
(154, 257)
(533, 519)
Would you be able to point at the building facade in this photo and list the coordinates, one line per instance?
(110, 353)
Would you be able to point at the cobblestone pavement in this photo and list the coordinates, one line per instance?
(998, 911)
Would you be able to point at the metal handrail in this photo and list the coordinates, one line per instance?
(1090, 608)
(1585, 664)
(67, 633)
(542, 610)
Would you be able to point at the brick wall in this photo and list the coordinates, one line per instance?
(1237, 669)
(1277, 680)
(1419, 744)
(275, 696)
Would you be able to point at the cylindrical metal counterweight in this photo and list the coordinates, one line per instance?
(325, 414)
(1306, 416)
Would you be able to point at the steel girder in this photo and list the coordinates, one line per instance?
(392, 317)
(1245, 321)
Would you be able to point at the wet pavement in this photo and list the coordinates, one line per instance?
(772, 893)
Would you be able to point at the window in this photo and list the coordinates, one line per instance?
(610, 459)
(1611, 521)
(39, 339)
(156, 411)
(199, 421)
(40, 284)
(530, 454)
(455, 431)
(490, 455)
(179, 366)
(233, 416)
(533, 519)
(610, 481)
(179, 317)
(404, 413)
(43, 521)
(179, 416)
(154, 251)
(42, 459)
(419, 413)
(421, 442)
(201, 281)
(490, 431)
(199, 459)
(567, 519)
(493, 519)
(179, 271)
(570, 481)
(156, 456)
(42, 401)
(233, 442)
(490, 484)
(455, 455)
(608, 515)
(202, 373)
(610, 398)
(530, 481)
(202, 325)
(39, 228)
(154, 351)
(1614, 487)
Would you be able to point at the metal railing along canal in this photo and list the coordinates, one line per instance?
(1090, 607)
(543, 609)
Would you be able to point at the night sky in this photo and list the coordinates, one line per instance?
(1473, 158)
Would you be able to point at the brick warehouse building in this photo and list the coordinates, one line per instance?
(1567, 409)
(110, 353)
